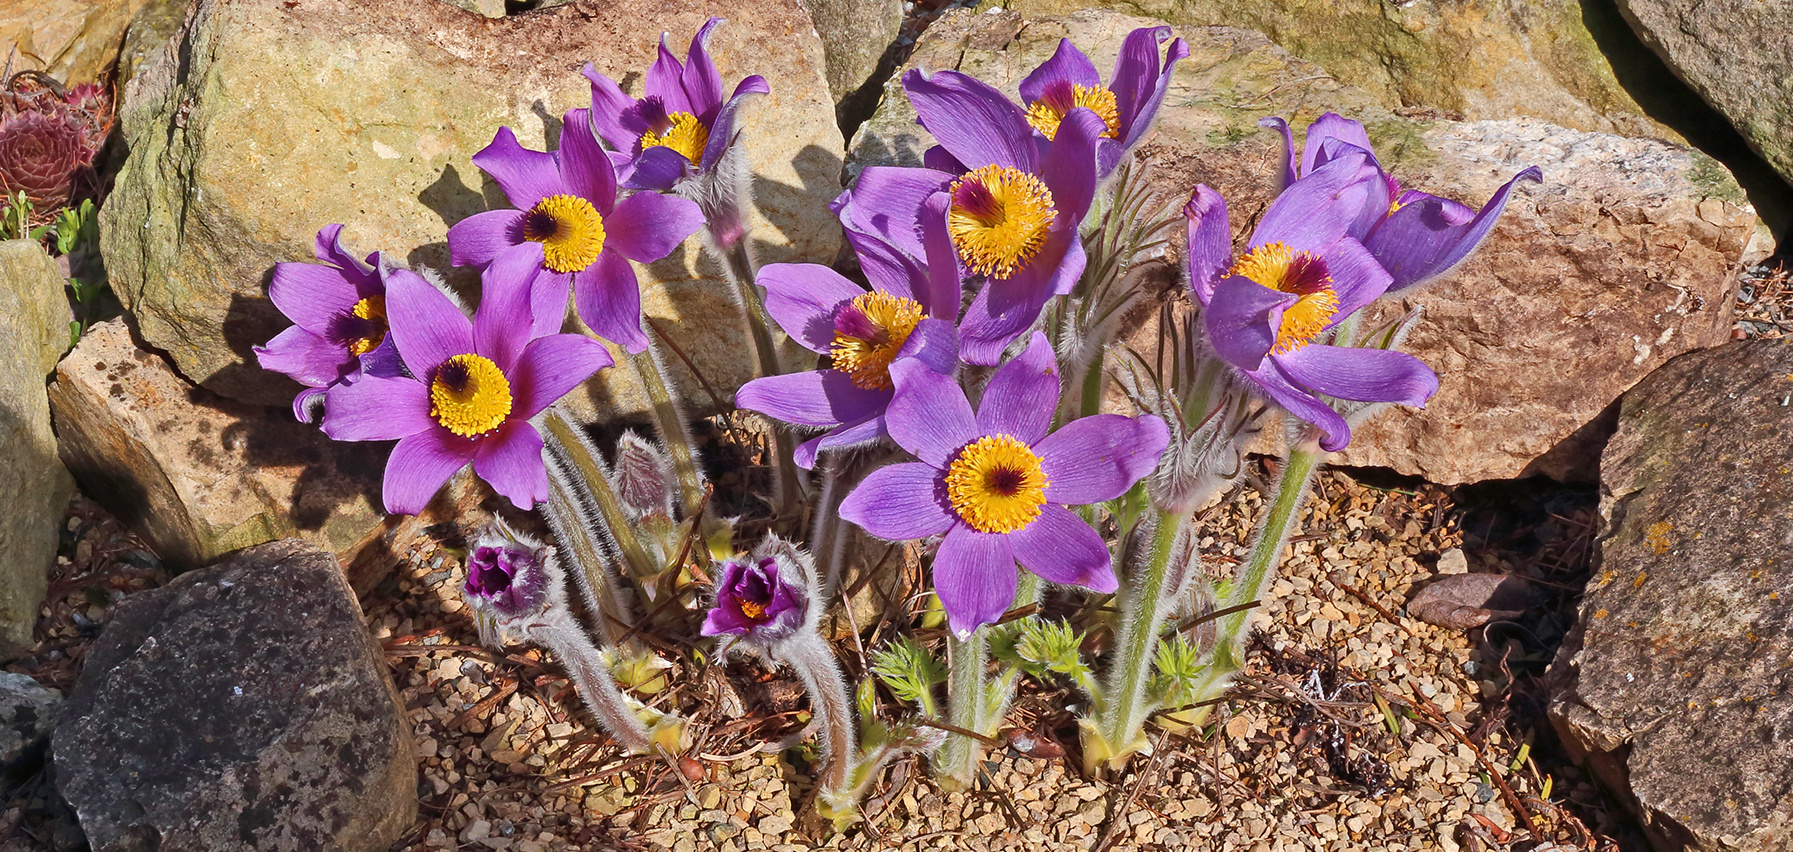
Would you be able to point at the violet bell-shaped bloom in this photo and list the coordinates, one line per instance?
(505, 574)
(1416, 236)
(338, 310)
(1127, 105)
(863, 333)
(1302, 275)
(471, 390)
(569, 222)
(996, 484)
(758, 600)
(680, 126)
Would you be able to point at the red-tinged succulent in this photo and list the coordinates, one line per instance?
(48, 136)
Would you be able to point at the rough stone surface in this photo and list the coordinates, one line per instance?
(33, 333)
(75, 41)
(382, 107)
(239, 707)
(1735, 54)
(1481, 59)
(1675, 677)
(27, 716)
(1619, 260)
(148, 34)
(855, 34)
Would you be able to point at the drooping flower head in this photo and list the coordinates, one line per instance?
(1267, 312)
(338, 309)
(909, 313)
(680, 126)
(471, 388)
(506, 572)
(569, 223)
(996, 484)
(1416, 236)
(1126, 105)
(764, 597)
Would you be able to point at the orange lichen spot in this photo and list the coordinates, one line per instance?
(1639, 582)
(1599, 613)
(1657, 537)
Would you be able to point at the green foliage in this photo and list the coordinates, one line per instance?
(910, 672)
(15, 218)
(1044, 649)
(1181, 668)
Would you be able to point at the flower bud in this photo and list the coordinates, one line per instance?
(505, 572)
(644, 479)
(764, 598)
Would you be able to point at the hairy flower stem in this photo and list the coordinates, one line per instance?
(828, 538)
(1145, 604)
(955, 763)
(814, 662)
(675, 433)
(1272, 536)
(560, 634)
(787, 486)
(579, 484)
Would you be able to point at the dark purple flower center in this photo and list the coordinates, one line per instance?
(976, 199)
(1006, 481)
(852, 322)
(486, 575)
(653, 114)
(454, 375)
(539, 226)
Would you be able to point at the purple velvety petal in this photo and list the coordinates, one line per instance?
(1060, 548)
(998, 314)
(802, 299)
(327, 247)
(551, 367)
(935, 343)
(647, 226)
(308, 405)
(699, 79)
(1070, 166)
(525, 176)
(504, 323)
(1334, 432)
(725, 619)
(373, 408)
(1419, 242)
(1099, 457)
(658, 169)
(974, 575)
(1210, 241)
(976, 123)
(943, 285)
(1362, 375)
(1314, 150)
(1357, 278)
(1140, 79)
(929, 415)
(546, 293)
(1022, 396)
(887, 267)
(312, 295)
(1243, 319)
(1285, 165)
(663, 80)
(1067, 64)
(939, 160)
(886, 202)
(722, 129)
(812, 398)
(425, 323)
(383, 361)
(510, 460)
(419, 466)
(304, 357)
(900, 502)
(585, 168)
(847, 435)
(608, 297)
(608, 105)
(479, 238)
(1315, 210)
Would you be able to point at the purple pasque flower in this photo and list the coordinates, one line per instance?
(906, 314)
(1266, 312)
(505, 574)
(758, 599)
(1416, 236)
(338, 309)
(996, 485)
(569, 223)
(471, 390)
(1127, 105)
(680, 126)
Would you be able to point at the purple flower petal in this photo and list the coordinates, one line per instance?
(722, 128)
(1315, 210)
(552, 366)
(935, 343)
(1334, 432)
(976, 123)
(1357, 278)
(1060, 548)
(525, 176)
(1022, 396)
(312, 295)
(998, 314)
(657, 169)
(802, 299)
(425, 324)
(510, 460)
(663, 80)
(939, 160)
(327, 247)
(929, 415)
(1099, 457)
(1419, 242)
(378, 409)
(305, 357)
(647, 226)
(608, 105)
(1070, 166)
(1210, 241)
(812, 398)
(885, 203)
(942, 292)
(1362, 375)
(308, 405)
(1067, 64)
(502, 325)
(699, 80)
(900, 502)
(478, 238)
(974, 575)
(1243, 318)
(1329, 126)
(585, 168)
(847, 435)
(419, 466)
(1140, 84)
(608, 297)
(383, 360)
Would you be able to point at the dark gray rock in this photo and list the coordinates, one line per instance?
(240, 707)
(1675, 680)
(27, 716)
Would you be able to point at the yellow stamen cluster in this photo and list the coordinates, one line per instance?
(753, 611)
(372, 309)
(570, 230)
(996, 484)
(1046, 117)
(1281, 268)
(469, 395)
(867, 360)
(687, 135)
(999, 219)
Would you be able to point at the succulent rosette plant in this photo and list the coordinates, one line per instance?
(996, 483)
(470, 387)
(569, 222)
(1416, 236)
(681, 126)
(338, 309)
(863, 332)
(1126, 105)
(39, 153)
(1267, 312)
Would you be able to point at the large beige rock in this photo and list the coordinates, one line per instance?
(1618, 261)
(1673, 684)
(75, 41)
(269, 120)
(33, 332)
